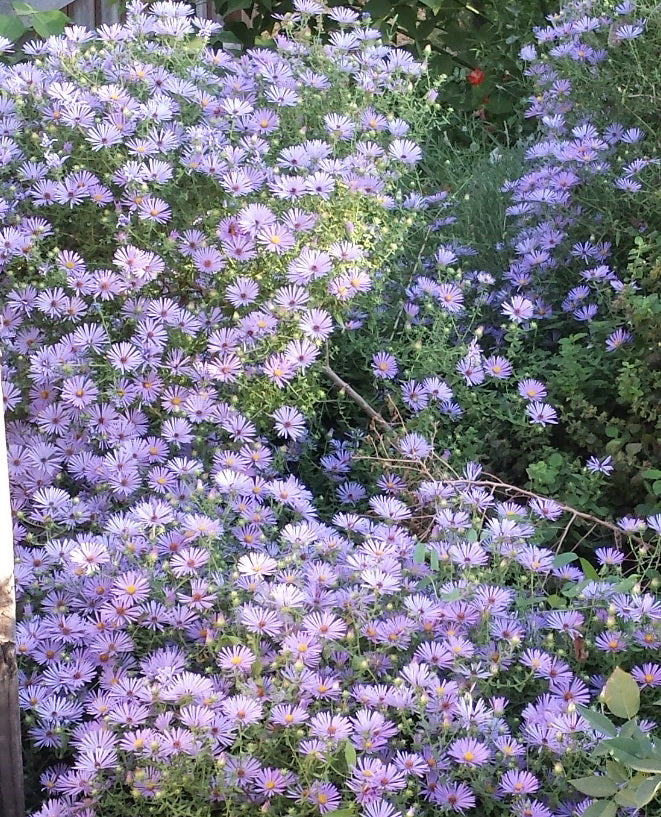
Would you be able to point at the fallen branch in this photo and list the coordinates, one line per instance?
(353, 394)
(493, 482)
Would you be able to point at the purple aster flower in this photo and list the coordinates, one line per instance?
(469, 752)
(276, 239)
(79, 392)
(532, 389)
(405, 150)
(289, 423)
(498, 367)
(414, 446)
(384, 365)
(280, 370)
(647, 675)
(569, 621)
(330, 727)
(618, 338)
(518, 782)
(415, 395)
(631, 524)
(541, 413)
(600, 466)
(519, 309)
(316, 324)
(456, 796)
(271, 782)
(611, 641)
(654, 522)
(450, 297)
(242, 710)
(471, 370)
(437, 389)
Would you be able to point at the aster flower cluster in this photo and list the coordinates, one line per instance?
(495, 331)
(183, 230)
(184, 227)
(578, 154)
(379, 669)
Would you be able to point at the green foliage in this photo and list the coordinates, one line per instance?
(29, 21)
(631, 775)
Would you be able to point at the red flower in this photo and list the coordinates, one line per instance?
(476, 76)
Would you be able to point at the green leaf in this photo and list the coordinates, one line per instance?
(651, 473)
(379, 9)
(647, 790)
(23, 8)
(556, 458)
(616, 771)
(644, 765)
(228, 641)
(49, 23)
(588, 570)
(624, 747)
(627, 797)
(601, 808)
(597, 721)
(563, 559)
(555, 601)
(621, 694)
(407, 19)
(11, 27)
(434, 561)
(419, 553)
(340, 812)
(594, 786)
(633, 731)
(349, 754)
(236, 5)
(228, 39)
(453, 595)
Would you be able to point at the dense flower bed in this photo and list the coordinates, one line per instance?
(295, 662)
(184, 232)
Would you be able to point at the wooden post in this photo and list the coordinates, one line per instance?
(12, 797)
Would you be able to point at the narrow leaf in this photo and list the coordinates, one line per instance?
(434, 560)
(349, 754)
(600, 723)
(621, 694)
(588, 570)
(647, 790)
(419, 553)
(645, 765)
(595, 786)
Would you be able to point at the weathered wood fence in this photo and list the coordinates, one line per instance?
(93, 13)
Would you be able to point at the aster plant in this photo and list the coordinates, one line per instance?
(536, 339)
(184, 231)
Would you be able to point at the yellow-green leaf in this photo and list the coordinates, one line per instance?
(621, 694)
